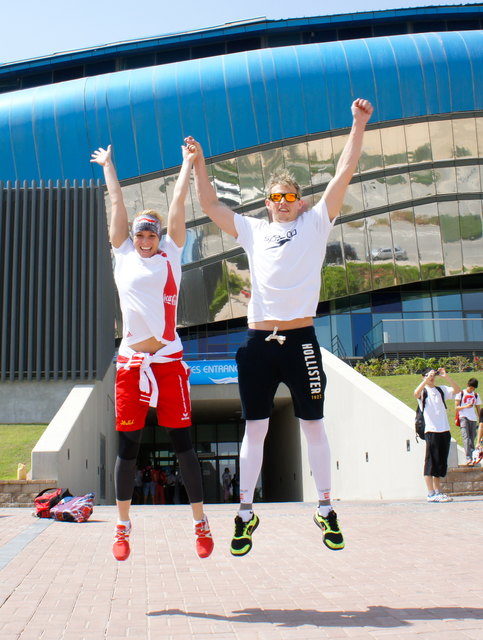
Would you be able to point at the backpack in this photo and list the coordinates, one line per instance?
(419, 422)
(74, 509)
(48, 498)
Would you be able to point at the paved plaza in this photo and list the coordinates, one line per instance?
(409, 570)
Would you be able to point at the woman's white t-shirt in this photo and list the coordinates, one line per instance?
(148, 292)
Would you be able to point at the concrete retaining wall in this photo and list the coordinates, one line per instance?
(78, 448)
(374, 451)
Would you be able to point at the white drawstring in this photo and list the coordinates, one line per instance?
(274, 336)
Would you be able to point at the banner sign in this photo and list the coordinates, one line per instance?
(213, 371)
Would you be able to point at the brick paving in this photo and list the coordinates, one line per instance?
(411, 570)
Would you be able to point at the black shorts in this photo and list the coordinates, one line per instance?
(263, 365)
(437, 450)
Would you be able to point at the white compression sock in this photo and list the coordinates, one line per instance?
(251, 457)
(319, 455)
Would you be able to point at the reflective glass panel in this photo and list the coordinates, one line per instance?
(226, 182)
(479, 133)
(450, 234)
(371, 156)
(251, 178)
(416, 302)
(228, 241)
(169, 183)
(338, 144)
(472, 300)
(361, 303)
(468, 179)
(445, 179)
(405, 245)
(418, 144)
(334, 281)
(381, 253)
(216, 287)
(154, 197)
(429, 241)
(341, 335)
(321, 160)
(239, 285)
(192, 248)
(465, 140)
(374, 193)
(446, 301)
(133, 199)
(420, 329)
(355, 253)
(108, 207)
(352, 199)
(394, 146)
(192, 307)
(209, 238)
(441, 132)
(471, 226)
(323, 331)
(398, 188)
(297, 162)
(422, 183)
(272, 161)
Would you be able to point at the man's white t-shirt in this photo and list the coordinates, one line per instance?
(435, 416)
(148, 292)
(285, 260)
(469, 398)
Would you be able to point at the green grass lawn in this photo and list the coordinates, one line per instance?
(402, 387)
(16, 444)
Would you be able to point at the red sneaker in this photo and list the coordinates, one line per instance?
(120, 548)
(204, 540)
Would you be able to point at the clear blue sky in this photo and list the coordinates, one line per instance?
(30, 28)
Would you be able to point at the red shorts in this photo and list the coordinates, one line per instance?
(174, 406)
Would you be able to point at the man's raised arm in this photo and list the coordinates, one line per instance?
(221, 215)
(335, 192)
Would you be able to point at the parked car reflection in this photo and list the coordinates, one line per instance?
(386, 253)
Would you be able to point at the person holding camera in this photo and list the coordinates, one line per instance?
(432, 399)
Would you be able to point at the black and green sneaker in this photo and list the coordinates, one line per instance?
(333, 538)
(242, 538)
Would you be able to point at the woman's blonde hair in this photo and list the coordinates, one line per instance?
(152, 213)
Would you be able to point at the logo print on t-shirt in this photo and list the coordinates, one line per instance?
(280, 240)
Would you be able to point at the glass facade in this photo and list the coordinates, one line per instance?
(413, 213)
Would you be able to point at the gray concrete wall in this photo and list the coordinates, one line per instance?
(32, 402)
(373, 446)
(69, 451)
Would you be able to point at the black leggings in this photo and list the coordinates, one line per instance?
(129, 444)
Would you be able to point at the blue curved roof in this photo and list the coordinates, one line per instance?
(233, 102)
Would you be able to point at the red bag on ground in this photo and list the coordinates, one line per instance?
(74, 509)
(47, 499)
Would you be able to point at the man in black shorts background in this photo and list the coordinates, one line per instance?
(431, 398)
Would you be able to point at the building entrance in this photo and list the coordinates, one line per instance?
(220, 479)
(217, 446)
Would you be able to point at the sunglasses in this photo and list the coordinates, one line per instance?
(289, 197)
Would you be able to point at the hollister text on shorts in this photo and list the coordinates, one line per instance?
(312, 370)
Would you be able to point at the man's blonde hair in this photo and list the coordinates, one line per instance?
(284, 178)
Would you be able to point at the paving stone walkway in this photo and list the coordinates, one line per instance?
(410, 570)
